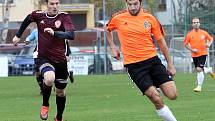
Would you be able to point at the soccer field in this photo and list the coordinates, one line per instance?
(105, 98)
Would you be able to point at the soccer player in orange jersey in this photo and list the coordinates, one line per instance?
(198, 41)
(135, 27)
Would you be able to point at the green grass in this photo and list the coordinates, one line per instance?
(105, 98)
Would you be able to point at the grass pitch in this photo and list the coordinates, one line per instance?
(105, 98)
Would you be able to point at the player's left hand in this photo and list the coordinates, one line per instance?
(49, 30)
(15, 40)
(207, 45)
(67, 58)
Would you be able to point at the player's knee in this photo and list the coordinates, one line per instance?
(198, 69)
(49, 78)
(48, 73)
(172, 96)
(61, 83)
(60, 92)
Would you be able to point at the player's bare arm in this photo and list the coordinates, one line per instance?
(208, 43)
(113, 47)
(164, 49)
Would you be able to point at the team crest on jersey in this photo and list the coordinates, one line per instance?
(57, 23)
(146, 24)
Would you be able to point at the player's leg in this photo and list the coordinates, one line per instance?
(38, 76)
(154, 96)
(169, 90)
(48, 72)
(39, 79)
(210, 71)
(200, 79)
(60, 84)
(199, 64)
(161, 79)
(162, 110)
(151, 92)
(60, 98)
(142, 76)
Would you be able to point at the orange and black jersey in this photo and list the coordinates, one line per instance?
(135, 34)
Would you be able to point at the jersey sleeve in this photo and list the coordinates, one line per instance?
(34, 15)
(186, 39)
(67, 23)
(157, 29)
(208, 36)
(112, 24)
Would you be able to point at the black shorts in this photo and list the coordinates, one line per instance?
(60, 69)
(148, 73)
(199, 61)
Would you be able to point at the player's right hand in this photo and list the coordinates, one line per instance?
(195, 50)
(116, 54)
(16, 40)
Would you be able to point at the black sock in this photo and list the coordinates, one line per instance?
(46, 94)
(40, 81)
(60, 101)
(71, 77)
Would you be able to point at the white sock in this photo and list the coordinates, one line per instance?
(206, 70)
(166, 114)
(200, 78)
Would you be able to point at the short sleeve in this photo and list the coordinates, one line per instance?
(208, 36)
(186, 39)
(157, 29)
(112, 24)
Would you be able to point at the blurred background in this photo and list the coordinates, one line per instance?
(90, 51)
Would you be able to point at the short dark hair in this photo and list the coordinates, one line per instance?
(139, 0)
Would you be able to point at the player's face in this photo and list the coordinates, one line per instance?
(53, 7)
(195, 23)
(133, 7)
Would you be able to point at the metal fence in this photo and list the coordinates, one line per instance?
(95, 62)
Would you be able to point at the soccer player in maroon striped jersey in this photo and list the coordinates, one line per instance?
(53, 28)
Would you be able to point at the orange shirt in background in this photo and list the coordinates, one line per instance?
(197, 40)
(135, 33)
